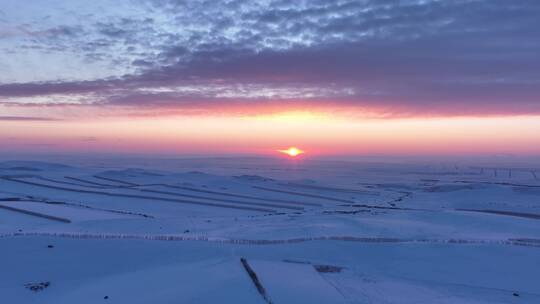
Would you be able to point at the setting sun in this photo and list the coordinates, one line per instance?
(292, 151)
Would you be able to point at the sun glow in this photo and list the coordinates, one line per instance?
(292, 151)
(292, 117)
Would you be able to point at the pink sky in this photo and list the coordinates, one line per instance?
(318, 133)
(250, 77)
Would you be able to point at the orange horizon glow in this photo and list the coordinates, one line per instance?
(317, 132)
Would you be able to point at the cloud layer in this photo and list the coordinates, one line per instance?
(397, 58)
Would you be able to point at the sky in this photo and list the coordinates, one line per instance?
(357, 77)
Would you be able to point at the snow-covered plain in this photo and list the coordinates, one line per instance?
(175, 231)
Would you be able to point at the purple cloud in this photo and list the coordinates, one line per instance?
(404, 57)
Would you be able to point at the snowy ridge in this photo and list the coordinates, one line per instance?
(516, 241)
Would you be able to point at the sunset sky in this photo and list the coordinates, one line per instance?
(251, 77)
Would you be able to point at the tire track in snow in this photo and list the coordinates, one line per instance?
(36, 214)
(153, 198)
(305, 194)
(332, 189)
(223, 200)
(241, 195)
(131, 185)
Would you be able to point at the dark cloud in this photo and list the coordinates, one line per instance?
(50, 88)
